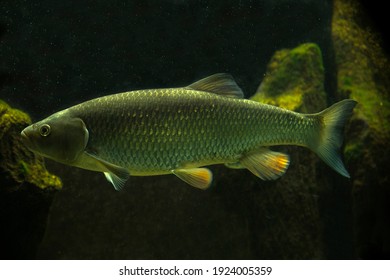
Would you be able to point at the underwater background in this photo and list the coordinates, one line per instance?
(306, 54)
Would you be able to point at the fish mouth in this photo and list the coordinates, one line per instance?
(26, 140)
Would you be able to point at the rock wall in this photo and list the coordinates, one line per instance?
(26, 189)
(362, 74)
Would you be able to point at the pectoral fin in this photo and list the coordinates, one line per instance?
(200, 178)
(116, 181)
(115, 174)
(266, 164)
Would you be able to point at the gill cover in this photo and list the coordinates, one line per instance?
(62, 139)
(72, 136)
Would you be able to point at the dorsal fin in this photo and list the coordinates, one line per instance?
(221, 84)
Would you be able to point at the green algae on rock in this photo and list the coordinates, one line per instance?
(16, 162)
(294, 80)
(362, 67)
(362, 74)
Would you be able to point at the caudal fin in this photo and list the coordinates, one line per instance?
(331, 134)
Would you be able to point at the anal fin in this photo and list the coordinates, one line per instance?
(200, 178)
(266, 164)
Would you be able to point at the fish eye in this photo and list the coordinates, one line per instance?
(44, 130)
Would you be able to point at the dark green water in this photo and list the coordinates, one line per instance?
(55, 54)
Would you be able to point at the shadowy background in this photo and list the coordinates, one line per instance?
(56, 54)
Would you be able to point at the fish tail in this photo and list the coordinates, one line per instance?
(331, 134)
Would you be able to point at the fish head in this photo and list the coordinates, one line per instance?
(61, 138)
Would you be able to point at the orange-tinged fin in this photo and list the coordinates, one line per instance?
(200, 178)
(266, 164)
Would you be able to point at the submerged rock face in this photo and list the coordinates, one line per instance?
(18, 164)
(362, 74)
(294, 80)
(26, 189)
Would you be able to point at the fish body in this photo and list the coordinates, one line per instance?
(180, 130)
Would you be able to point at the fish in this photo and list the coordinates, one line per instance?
(182, 130)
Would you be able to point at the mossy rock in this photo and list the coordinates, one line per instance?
(294, 80)
(362, 67)
(17, 163)
(362, 74)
